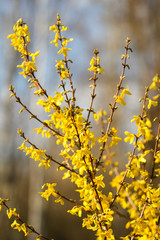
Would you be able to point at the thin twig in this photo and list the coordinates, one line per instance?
(28, 226)
(71, 84)
(48, 156)
(32, 73)
(32, 115)
(113, 107)
(93, 87)
(131, 158)
(67, 68)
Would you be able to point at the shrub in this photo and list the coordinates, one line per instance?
(136, 192)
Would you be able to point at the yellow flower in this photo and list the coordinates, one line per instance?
(64, 28)
(45, 163)
(95, 66)
(53, 28)
(76, 211)
(66, 40)
(122, 94)
(59, 200)
(115, 141)
(34, 55)
(64, 51)
(16, 225)
(150, 103)
(56, 38)
(130, 137)
(11, 212)
(153, 86)
(49, 191)
(103, 138)
(156, 80)
(24, 229)
(99, 181)
(136, 119)
(120, 100)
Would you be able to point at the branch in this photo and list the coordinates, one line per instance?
(32, 115)
(32, 73)
(151, 179)
(131, 157)
(27, 226)
(93, 87)
(48, 156)
(113, 107)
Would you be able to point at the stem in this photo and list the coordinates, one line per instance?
(151, 178)
(132, 156)
(48, 156)
(71, 84)
(67, 199)
(93, 88)
(113, 107)
(32, 115)
(124, 177)
(67, 68)
(28, 226)
(36, 82)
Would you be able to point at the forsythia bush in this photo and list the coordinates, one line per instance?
(137, 192)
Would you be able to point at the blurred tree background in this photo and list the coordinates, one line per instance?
(102, 24)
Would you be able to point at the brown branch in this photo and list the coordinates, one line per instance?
(113, 107)
(32, 72)
(32, 115)
(68, 199)
(94, 86)
(71, 84)
(131, 157)
(67, 67)
(121, 215)
(124, 177)
(28, 226)
(116, 172)
(97, 195)
(151, 177)
(48, 156)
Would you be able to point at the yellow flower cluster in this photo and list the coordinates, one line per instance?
(36, 154)
(140, 197)
(15, 225)
(135, 191)
(114, 138)
(75, 136)
(17, 38)
(58, 28)
(155, 86)
(95, 66)
(51, 191)
(20, 38)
